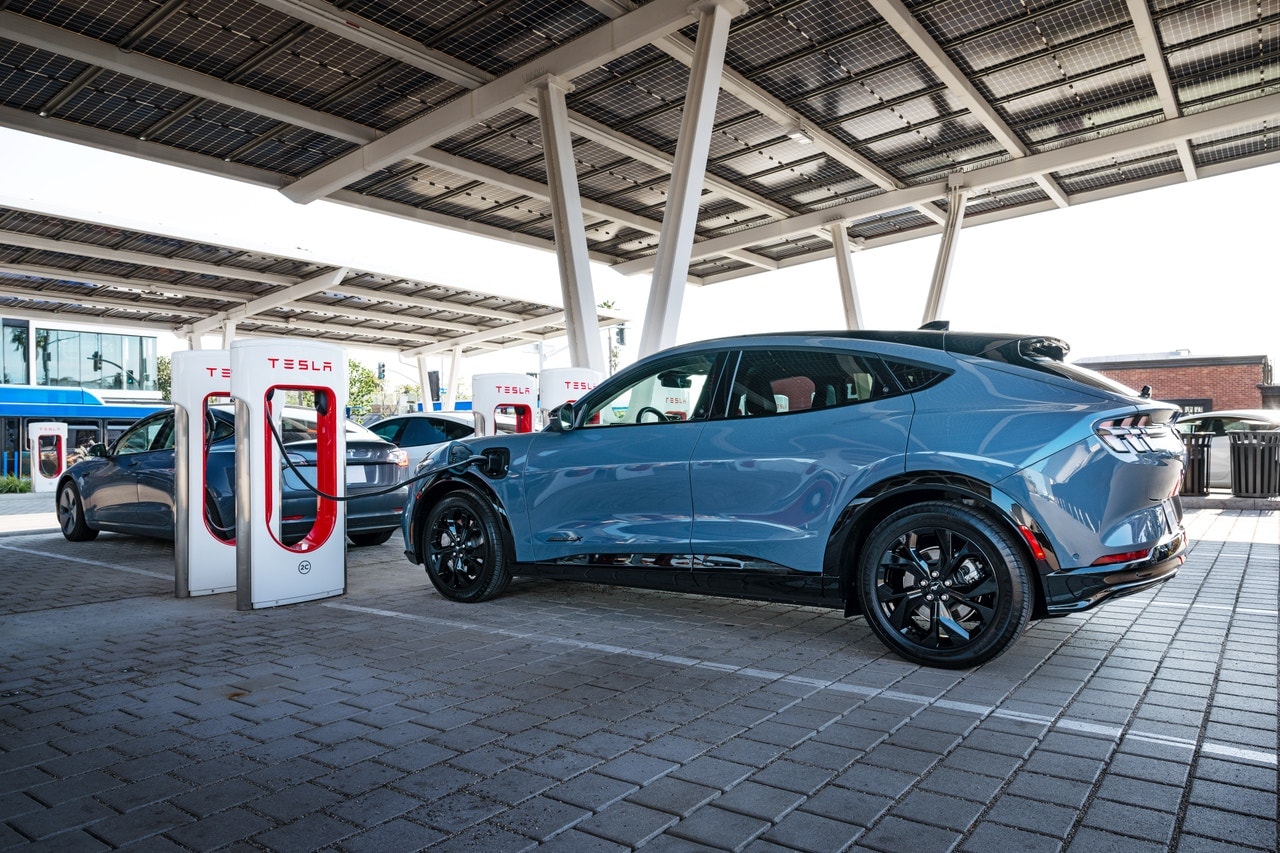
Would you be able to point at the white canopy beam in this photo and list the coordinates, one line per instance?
(909, 28)
(1221, 120)
(616, 38)
(671, 269)
(316, 284)
(1144, 27)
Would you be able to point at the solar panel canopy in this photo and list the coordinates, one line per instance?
(831, 114)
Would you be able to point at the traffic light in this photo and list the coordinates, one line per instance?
(97, 360)
(382, 370)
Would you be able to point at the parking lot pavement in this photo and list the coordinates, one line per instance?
(583, 718)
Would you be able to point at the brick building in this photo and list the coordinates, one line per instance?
(1197, 383)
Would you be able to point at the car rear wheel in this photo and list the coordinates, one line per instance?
(462, 547)
(368, 540)
(943, 585)
(71, 515)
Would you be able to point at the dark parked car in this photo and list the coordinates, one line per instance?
(948, 486)
(128, 487)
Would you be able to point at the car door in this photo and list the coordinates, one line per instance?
(805, 430)
(154, 470)
(111, 491)
(618, 483)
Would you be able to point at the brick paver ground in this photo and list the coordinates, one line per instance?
(582, 718)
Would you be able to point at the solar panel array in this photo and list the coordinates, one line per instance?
(77, 269)
(891, 94)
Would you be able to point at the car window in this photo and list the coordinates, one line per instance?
(673, 390)
(771, 382)
(453, 430)
(1238, 424)
(222, 429)
(388, 429)
(420, 431)
(141, 437)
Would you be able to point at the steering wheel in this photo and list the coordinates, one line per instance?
(649, 410)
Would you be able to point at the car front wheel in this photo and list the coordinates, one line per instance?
(462, 547)
(71, 515)
(943, 585)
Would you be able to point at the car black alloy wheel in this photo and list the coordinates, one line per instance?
(71, 515)
(462, 546)
(943, 585)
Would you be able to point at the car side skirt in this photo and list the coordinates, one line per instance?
(731, 577)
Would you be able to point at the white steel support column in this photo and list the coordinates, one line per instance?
(424, 382)
(844, 247)
(581, 321)
(957, 195)
(455, 364)
(228, 333)
(675, 243)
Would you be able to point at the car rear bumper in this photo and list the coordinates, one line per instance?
(1076, 590)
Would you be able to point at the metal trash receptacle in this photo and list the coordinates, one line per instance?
(1195, 474)
(1255, 463)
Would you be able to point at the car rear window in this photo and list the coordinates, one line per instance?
(1080, 374)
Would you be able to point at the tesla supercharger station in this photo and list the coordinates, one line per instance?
(565, 385)
(204, 563)
(514, 393)
(47, 444)
(269, 572)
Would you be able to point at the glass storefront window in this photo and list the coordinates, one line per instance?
(13, 352)
(95, 360)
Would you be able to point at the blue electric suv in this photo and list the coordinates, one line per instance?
(950, 487)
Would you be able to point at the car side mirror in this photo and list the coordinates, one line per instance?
(561, 418)
(97, 449)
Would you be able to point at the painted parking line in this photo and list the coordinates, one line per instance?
(95, 563)
(1116, 733)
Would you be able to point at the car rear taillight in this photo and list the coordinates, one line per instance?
(400, 457)
(1130, 434)
(1126, 557)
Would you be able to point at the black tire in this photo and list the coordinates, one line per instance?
(368, 540)
(71, 515)
(943, 585)
(462, 547)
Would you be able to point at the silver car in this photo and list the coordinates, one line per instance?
(417, 433)
(1222, 424)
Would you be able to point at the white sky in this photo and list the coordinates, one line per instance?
(1188, 267)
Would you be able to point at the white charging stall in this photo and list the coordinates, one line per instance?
(47, 444)
(560, 385)
(204, 560)
(269, 572)
(514, 395)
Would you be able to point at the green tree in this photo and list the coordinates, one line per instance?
(363, 387)
(164, 376)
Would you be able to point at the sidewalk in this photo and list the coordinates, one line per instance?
(27, 513)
